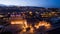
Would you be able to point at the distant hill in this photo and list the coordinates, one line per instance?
(12, 8)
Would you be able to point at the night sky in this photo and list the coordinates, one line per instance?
(39, 3)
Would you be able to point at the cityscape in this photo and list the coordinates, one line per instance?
(29, 20)
(29, 16)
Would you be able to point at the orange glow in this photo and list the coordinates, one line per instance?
(24, 30)
(32, 29)
(16, 22)
(30, 13)
(43, 23)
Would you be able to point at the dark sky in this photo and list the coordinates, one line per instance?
(40, 3)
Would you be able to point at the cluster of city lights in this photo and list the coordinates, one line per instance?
(25, 26)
